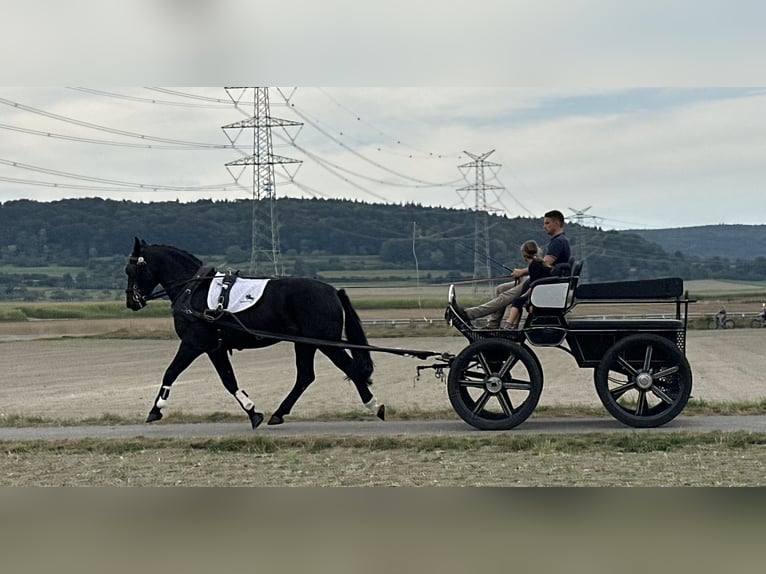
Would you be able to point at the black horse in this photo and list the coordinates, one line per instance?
(305, 311)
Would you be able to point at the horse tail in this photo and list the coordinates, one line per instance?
(361, 358)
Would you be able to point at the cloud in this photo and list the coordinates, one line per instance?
(640, 157)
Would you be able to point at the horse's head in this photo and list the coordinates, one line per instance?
(141, 281)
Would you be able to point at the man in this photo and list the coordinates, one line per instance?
(556, 253)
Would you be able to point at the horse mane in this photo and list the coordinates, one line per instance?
(180, 252)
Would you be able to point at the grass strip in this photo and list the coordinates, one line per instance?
(628, 442)
(694, 407)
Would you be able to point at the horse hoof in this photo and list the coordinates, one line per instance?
(256, 418)
(154, 415)
(276, 420)
(381, 412)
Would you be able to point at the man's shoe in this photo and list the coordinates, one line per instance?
(460, 312)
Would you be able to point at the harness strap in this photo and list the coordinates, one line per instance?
(182, 304)
(228, 280)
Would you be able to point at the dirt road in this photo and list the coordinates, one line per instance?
(77, 379)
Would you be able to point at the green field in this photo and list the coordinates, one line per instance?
(52, 270)
(707, 288)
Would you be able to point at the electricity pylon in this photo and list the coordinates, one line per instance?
(481, 257)
(263, 160)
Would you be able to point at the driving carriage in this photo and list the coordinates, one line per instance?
(640, 369)
(641, 373)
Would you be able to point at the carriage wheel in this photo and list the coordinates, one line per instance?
(728, 324)
(644, 380)
(757, 323)
(494, 384)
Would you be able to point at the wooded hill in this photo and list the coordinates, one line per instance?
(321, 235)
(727, 241)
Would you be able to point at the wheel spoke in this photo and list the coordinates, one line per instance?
(481, 403)
(648, 358)
(505, 402)
(642, 402)
(666, 372)
(627, 366)
(484, 364)
(508, 365)
(617, 392)
(475, 374)
(517, 385)
(471, 384)
(660, 394)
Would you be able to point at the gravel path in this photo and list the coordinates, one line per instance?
(79, 378)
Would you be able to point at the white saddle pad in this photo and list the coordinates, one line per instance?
(244, 293)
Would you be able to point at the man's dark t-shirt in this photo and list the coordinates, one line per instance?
(558, 247)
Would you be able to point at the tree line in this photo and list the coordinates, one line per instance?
(98, 233)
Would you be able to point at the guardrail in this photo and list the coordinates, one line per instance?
(425, 322)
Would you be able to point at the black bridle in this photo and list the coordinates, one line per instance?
(135, 293)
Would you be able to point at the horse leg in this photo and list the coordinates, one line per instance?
(222, 364)
(184, 357)
(341, 359)
(304, 363)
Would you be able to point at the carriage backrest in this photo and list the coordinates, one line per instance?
(556, 292)
(564, 269)
(661, 288)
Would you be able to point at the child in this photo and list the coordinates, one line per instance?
(530, 251)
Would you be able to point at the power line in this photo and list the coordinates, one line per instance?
(310, 121)
(205, 98)
(110, 130)
(150, 100)
(54, 135)
(100, 188)
(427, 155)
(123, 184)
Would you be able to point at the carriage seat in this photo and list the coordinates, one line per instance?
(556, 292)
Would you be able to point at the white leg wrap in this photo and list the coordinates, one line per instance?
(244, 400)
(372, 405)
(162, 400)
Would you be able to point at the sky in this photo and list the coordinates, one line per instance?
(640, 115)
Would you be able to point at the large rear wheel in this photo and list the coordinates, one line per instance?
(644, 380)
(495, 384)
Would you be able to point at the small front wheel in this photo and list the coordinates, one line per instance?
(712, 324)
(644, 380)
(495, 384)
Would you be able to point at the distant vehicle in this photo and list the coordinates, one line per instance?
(720, 321)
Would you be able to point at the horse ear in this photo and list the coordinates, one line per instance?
(136, 246)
